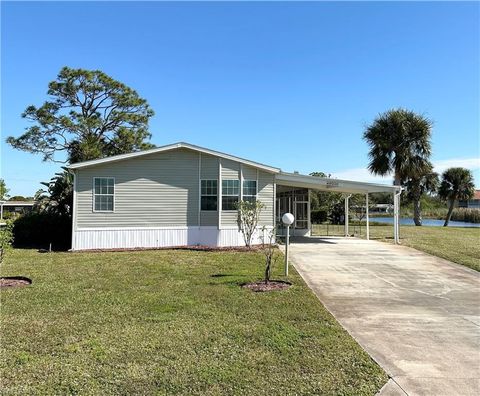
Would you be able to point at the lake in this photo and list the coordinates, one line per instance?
(425, 222)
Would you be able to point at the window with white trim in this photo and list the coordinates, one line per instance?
(230, 193)
(103, 194)
(209, 195)
(250, 190)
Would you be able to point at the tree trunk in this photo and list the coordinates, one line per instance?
(267, 271)
(417, 214)
(417, 210)
(397, 180)
(450, 211)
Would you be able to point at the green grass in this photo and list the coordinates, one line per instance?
(170, 322)
(457, 244)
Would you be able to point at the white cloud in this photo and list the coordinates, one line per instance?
(469, 163)
(362, 174)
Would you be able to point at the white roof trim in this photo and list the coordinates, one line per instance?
(174, 146)
(17, 203)
(330, 184)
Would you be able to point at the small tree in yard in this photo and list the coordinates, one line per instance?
(6, 239)
(248, 216)
(268, 248)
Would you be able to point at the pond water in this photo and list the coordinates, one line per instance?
(425, 222)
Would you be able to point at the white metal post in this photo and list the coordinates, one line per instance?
(288, 220)
(367, 213)
(396, 215)
(287, 241)
(309, 215)
(219, 192)
(290, 207)
(346, 214)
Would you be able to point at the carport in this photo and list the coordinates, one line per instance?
(293, 195)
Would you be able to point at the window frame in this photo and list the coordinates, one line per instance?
(94, 195)
(208, 195)
(255, 196)
(230, 195)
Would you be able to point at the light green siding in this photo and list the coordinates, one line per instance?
(230, 169)
(209, 167)
(266, 194)
(249, 173)
(229, 218)
(151, 191)
(163, 190)
(208, 218)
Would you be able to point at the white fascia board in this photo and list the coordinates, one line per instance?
(329, 184)
(174, 146)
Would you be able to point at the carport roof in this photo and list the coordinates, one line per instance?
(329, 184)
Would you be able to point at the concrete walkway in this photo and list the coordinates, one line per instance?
(417, 315)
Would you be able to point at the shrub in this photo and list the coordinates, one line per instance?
(248, 217)
(268, 248)
(466, 214)
(38, 230)
(6, 239)
(318, 216)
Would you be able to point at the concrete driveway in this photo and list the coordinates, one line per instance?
(417, 315)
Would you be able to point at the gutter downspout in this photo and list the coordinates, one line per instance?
(74, 210)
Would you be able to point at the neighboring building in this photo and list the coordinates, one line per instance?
(182, 194)
(15, 207)
(382, 208)
(473, 203)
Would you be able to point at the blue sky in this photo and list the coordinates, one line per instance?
(287, 84)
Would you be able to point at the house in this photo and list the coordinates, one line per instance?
(473, 203)
(182, 194)
(15, 208)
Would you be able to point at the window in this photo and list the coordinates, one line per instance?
(103, 193)
(250, 190)
(209, 196)
(230, 192)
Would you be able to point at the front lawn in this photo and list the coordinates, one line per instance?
(170, 322)
(458, 244)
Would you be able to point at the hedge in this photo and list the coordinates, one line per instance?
(39, 230)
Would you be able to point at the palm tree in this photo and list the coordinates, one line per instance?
(416, 187)
(399, 143)
(457, 183)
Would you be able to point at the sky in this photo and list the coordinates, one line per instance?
(292, 85)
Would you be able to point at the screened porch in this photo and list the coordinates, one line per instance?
(293, 195)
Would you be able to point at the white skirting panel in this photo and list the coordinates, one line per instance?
(129, 238)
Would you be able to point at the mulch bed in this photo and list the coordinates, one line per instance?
(265, 287)
(14, 281)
